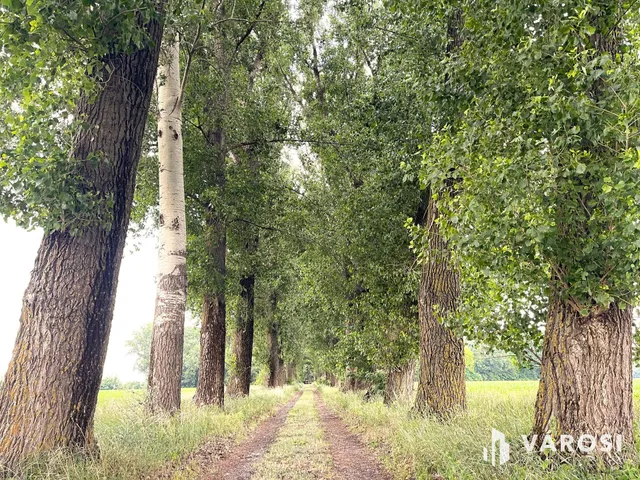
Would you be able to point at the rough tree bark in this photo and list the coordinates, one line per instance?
(165, 365)
(240, 375)
(242, 352)
(399, 384)
(586, 380)
(441, 385)
(51, 385)
(213, 329)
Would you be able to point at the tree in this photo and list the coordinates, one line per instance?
(111, 383)
(360, 117)
(441, 385)
(166, 351)
(234, 117)
(549, 202)
(50, 392)
(276, 362)
(139, 346)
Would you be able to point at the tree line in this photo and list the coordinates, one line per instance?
(345, 190)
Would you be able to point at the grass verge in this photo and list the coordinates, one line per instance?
(426, 448)
(133, 444)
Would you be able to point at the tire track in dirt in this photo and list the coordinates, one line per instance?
(239, 462)
(351, 458)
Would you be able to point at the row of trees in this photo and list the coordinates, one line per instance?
(368, 182)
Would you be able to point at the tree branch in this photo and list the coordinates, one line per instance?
(251, 27)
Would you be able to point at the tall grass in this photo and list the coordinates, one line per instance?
(429, 448)
(134, 444)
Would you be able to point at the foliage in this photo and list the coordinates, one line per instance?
(499, 365)
(52, 54)
(356, 280)
(545, 160)
(133, 385)
(111, 383)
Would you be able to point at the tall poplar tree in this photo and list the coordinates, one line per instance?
(51, 386)
(165, 365)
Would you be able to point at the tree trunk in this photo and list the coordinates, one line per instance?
(276, 363)
(165, 365)
(441, 385)
(213, 329)
(586, 381)
(240, 375)
(290, 373)
(51, 385)
(399, 384)
(210, 389)
(350, 383)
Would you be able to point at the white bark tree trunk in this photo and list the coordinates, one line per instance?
(165, 369)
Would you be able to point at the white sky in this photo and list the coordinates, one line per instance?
(135, 299)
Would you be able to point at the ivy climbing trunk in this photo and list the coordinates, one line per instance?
(51, 385)
(399, 383)
(165, 365)
(441, 385)
(240, 375)
(586, 381)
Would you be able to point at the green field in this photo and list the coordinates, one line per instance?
(431, 449)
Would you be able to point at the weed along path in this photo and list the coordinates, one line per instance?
(352, 460)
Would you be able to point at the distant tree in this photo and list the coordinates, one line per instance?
(133, 385)
(498, 365)
(140, 347)
(111, 383)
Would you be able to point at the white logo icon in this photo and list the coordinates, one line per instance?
(497, 437)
